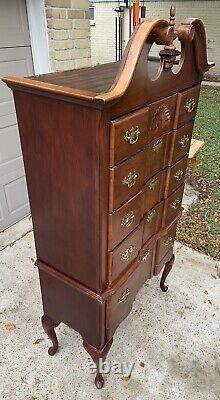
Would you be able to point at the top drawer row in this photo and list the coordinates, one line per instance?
(131, 133)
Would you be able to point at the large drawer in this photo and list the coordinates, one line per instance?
(157, 154)
(176, 176)
(120, 303)
(152, 221)
(128, 135)
(124, 220)
(172, 206)
(126, 180)
(122, 256)
(161, 116)
(187, 102)
(181, 139)
(153, 191)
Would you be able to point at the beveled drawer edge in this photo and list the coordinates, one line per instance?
(175, 123)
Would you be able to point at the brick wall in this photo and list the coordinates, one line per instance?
(68, 34)
(103, 32)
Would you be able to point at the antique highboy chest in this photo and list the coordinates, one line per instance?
(105, 151)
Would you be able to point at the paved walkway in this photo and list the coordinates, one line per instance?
(172, 337)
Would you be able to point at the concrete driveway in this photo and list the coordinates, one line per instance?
(172, 337)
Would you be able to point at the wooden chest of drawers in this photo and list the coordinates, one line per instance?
(105, 152)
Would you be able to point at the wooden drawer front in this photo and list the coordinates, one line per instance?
(153, 191)
(152, 221)
(186, 106)
(120, 303)
(158, 266)
(166, 242)
(181, 142)
(126, 180)
(172, 206)
(156, 155)
(176, 176)
(161, 116)
(123, 221)
(146, 259)
(123, 255)
(128, 136)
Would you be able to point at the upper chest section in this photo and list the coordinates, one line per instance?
(133, 132)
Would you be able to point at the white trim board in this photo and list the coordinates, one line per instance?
(38, 36)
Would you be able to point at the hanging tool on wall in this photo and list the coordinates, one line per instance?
(136, 9)
(118, 32)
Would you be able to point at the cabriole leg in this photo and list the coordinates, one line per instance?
(48, 326)
(166, 271)
(96, 355)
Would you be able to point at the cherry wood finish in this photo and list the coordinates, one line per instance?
(126, 180)
(156, 155)
(153, 191)
(100, 143)
(152, 221)
(120, 258)
(128, 135)
(124, 220)
(181, 139)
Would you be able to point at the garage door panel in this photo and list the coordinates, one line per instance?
(14, 202)
(10, 147)
(8, 120)
(13, 24)
(16, 194)
(15, 60)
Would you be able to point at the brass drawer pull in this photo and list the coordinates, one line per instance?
(175, 204)
(127, 254)
(183, 141)
(157, 145)
(190, 105)
(146, 255)
(150, 216)
(130, 179)
(128, 219)
(168, 241)
(178, 175)
(132, 135)
(153, 183)
(123, 298)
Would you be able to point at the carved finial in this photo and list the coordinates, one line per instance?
(170, 53)
(172, 19)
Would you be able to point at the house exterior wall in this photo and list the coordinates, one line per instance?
(103, 31)
(68, 34)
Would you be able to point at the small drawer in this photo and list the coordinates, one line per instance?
(156, 155)
(123, 221)
(181, 142)
(158, 266)
(128, 135)
(126, 180)
(176, 176)
(120, 303)
(187, 102)
(146, 260)
(161, 116)
(172, 206)
(153, 191)
(123, 255)
(166, 242)
(152, 221)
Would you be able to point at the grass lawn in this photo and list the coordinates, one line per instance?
(199, 226)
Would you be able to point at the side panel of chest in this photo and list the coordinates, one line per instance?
(61, 147)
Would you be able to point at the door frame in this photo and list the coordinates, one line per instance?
(38, 36)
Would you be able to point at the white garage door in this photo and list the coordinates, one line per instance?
(15, 59)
